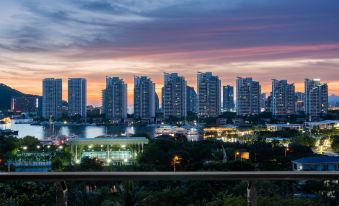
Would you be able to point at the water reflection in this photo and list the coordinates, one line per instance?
(40, 131)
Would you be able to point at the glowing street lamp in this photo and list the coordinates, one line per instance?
(286, 150)
(175, 160)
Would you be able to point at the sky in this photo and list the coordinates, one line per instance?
(263, 39)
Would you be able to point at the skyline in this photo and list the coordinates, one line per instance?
(93, 39)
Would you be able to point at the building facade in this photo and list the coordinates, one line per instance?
(77, 97)
(228, 98)
(300, 102)
(52, 98)
(144, 98)
(174, 96)
(29, 104)
(115, 99)
(191, 100)
(209, 95)
(316, 98)
(283, 98)
(248, 97)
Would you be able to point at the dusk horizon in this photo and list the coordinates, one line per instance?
(93, 39)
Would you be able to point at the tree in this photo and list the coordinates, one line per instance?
(335, 144)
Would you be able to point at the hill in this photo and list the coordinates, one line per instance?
(6, 95)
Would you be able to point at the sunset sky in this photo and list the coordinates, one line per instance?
(263, 39)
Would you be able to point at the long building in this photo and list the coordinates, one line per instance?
(283, 98)
(77, 97)
(228, 98)
(209, 95)
(248, 97)
(316, 98)
(115, 100)
(191, 100)
(29, 104)
(52, 98)
(144, 98)
(174, 96)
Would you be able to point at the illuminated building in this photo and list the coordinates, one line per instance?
(283, 97)
(316, 98)
(52, 98)
(248, 97)
(228, 98)
(115, 99)
(209, 95)
(116, 151)
(226, 134)
(77, 97)
(174, 96)
(144, 98)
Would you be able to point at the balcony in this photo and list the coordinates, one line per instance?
(62, 179)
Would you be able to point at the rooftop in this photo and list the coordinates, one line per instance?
(317, 159)
(108, 141)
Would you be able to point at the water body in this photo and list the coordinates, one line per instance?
(40, 131)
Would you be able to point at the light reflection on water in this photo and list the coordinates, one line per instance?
(81, 131)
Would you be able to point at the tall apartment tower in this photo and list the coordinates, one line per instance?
(115, 99)
(283, 98)
(263, 100)
(300, 102)
(174, 96)
(77, 97)
(191, 100)
(316, 98)
(52, 98)
(248, 97)
(209, 95)
(228, 98)
(144, 98)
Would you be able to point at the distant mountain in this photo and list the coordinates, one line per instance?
(6, 95)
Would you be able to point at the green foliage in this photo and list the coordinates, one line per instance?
(335, 144)
(90, 164)
(304, 140)
(30, 142)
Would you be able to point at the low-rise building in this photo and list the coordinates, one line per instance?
(117, 150)
(320, 163)
(281, 127)
(326, 124)
(228, 133)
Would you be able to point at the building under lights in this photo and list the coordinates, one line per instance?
(226, 134)
(116, 151)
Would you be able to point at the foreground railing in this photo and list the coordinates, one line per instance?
(250, 177)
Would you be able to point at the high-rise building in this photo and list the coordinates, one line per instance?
(209, 95)
(228, 98)
(283, 97)
(52, 98)
(300, 102)
(316, 98)
(77, 97)
(191, 100)
(115, 99)
(144, 98)
(263, 100)
(248, 97)
(157, 103)
(268, 103)
(174, 96)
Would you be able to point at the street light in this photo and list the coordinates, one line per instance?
(175, 160)
(286, 150)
